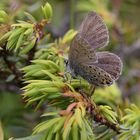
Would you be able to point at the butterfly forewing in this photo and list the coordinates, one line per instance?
(94, 31)
(80, 51)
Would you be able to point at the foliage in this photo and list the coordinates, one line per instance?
(132, 122)
(108, 95)
(1, 132)
(66, 125)
(100, 6)
(3, 16)
(33, 60)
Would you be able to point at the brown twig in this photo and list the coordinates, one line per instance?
(99, 118)
(11, 65)
(3, 74)
(92, 109)
(11, 87)
(38, 28)
(31, 53)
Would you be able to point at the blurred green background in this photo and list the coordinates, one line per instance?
(122, 19)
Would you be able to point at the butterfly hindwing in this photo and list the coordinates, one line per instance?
(95, 75)
(110, 63)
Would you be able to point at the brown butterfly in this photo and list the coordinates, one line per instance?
(98, 68)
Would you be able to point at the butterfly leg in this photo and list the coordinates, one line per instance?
(70, 79)
(92, 90)
(65, 76)
(80, 82)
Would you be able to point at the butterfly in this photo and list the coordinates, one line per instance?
(98, 68)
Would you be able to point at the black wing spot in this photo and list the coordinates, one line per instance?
(108, 82)
(106, 75)
(91, 79)
(102, 82)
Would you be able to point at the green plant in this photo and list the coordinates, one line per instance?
(69, 113)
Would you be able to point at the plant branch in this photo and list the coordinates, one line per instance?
(3, 74)
(99, 118)
(94, 112)
(92, 109)
(39, 35)
(32, 53)
(11, 65)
